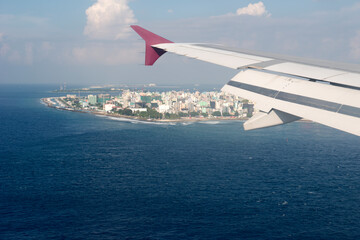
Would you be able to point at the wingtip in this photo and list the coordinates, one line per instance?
(151, 53)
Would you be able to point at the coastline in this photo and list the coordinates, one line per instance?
(51, 104)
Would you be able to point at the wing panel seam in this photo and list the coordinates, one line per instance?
(298, 99)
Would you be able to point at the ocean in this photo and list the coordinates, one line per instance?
(67, 175)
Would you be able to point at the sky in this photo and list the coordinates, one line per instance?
(89, 42)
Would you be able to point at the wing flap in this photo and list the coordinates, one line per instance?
(346, 79)
(273, 118)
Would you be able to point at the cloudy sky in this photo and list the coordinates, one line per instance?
(89, 41)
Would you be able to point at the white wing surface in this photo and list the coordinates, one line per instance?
(284, 89)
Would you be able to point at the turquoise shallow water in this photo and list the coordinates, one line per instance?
(68, 175)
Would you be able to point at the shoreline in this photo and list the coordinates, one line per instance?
(51, 104)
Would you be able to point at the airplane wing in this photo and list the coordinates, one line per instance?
(284, 89)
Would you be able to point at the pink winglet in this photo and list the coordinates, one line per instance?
(151, 53)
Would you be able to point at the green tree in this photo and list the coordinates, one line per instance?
(127, 112)
(194, 114)
(171, 116)
(216, 114)
(152, 113)
(182, 114)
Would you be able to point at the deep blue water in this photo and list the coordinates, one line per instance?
(66, 175)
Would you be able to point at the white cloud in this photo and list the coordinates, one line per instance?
(105, 54)
(1, 36)
(109, 20)
(256, 9)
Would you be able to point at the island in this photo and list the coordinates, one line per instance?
(163, 106)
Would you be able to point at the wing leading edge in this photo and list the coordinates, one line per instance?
(284, 89)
